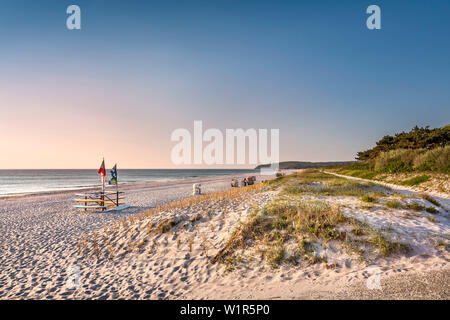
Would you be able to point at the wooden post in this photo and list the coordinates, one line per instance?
(102, 197)
(117, 187)
(117, 192)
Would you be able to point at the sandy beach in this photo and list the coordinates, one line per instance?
(131, 254)
(40, 232)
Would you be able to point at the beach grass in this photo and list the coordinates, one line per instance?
(394, 204)
(415, 181)
(158, 223)
(310, 223)
(431, 200)
(295, 226)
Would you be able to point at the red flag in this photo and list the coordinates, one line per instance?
(102, 170)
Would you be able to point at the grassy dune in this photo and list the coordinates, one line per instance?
(303, 221)
(419, 158)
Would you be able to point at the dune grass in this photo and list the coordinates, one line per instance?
(385, 246)
(318, 183)
(275, 255)
(309, 223)
(369, 198)
(407, 167)
(270, 230)
(408, 160)
(394, 204)
(431, 210)
(431, 200)
(415, 181)
(415, 206)
(156, 222)
(281, 221)
(306, 222)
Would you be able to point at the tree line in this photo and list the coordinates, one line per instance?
(417, 138)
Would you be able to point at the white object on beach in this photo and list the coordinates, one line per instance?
(196, 189)
(90, 207)
(121, 207)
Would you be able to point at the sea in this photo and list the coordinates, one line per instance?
(14, 182)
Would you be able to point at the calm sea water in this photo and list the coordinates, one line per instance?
(32, 181)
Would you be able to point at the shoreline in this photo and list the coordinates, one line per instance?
(97, 186)
(154, 183)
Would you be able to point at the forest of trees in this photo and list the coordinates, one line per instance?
(417, 138)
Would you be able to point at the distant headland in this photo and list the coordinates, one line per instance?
(304, 164)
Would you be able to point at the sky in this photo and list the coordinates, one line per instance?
(138, 70)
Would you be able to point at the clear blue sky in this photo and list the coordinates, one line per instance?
(310, 68)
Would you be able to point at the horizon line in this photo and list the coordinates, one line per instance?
(191, 168)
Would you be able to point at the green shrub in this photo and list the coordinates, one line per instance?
(397, 167)
(275, 256)
(407, 160)
(393, 204)
(387, 247)
(415, 181)
(356, 166)
(431, 210)
(415, 206)
(403, 158)
(431, 200)
(421, 149)
(437, 159)
(280, 222)
(369, 174)
(358, 231)
(417, 138)
(369, 198)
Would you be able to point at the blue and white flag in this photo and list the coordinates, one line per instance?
(113, 175)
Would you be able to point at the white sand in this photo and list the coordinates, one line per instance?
(39, 237)
(39, 234)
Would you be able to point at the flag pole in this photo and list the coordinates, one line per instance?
(117, 186)
(103, 177)
(102, 173)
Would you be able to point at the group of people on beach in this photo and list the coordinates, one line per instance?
(248, 181)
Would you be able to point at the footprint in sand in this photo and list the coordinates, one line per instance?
(175, 269)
